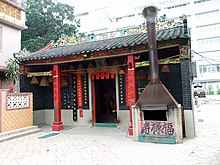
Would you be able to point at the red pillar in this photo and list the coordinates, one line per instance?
(57, 124)
(94, 100)
(131, 88)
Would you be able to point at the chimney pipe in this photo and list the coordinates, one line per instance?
(155, 96)
(150, 14)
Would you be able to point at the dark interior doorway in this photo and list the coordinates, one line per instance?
(157, 115)
(105, 100)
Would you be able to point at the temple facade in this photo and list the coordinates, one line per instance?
(94, 80)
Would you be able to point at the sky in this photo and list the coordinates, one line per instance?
(86, 5)
(112, 9)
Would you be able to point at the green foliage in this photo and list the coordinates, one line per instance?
(210, 92)
(13, 72)
(47, 20)
(218, 92)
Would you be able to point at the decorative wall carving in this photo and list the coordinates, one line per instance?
(10, 10)
(184, 53)
(162, 61)
(18, 114)
(16, 101)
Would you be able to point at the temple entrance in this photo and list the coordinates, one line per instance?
(105, 100)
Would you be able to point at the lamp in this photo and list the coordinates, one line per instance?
(44, 82)
(141, 75)
(121, 71)
(63, 81)
(71, 67)
(80, 69)
(34, 80)
(105, 67)
(149, 77)
(113, 68)
(165, 69)
(50, 79)
(91, 68)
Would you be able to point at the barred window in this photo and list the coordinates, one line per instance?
(207, 69)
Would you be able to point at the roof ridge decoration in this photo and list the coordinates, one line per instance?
(64, 40)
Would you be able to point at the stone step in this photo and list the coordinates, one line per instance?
(4, 136)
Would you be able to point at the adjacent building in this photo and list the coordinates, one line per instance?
(12, 21)
(203, 21)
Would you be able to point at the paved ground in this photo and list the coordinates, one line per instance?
(109, 146)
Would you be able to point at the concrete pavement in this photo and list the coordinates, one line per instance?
(109, 146)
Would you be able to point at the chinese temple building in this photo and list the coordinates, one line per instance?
(94, 80)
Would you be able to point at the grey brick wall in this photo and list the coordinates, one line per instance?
(171, 80)
(42, 96)
(186, 83)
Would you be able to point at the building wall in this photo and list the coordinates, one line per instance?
(188, 109)
(43, 106)
(46, 116)
(15, 118)
(12, 13)
(40, 94)
(43, 99)
(12, 21)
(10, 42)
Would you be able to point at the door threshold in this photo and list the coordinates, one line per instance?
(111, 125)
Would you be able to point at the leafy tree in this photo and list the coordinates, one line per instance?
(13, 73)
(47, 20)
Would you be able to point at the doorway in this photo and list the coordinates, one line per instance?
(105, 100)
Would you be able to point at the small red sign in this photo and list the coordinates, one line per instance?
(80, 113)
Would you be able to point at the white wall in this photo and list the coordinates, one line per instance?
(10, 43)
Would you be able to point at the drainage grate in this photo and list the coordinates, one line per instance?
(48, 135)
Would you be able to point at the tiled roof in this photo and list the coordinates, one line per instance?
(119, 42)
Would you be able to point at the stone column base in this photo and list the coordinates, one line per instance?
(130, 130)
(189, 123)
(57, 126)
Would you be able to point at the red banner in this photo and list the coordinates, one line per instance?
(131, 87)
(79, 89)
(131, 82)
